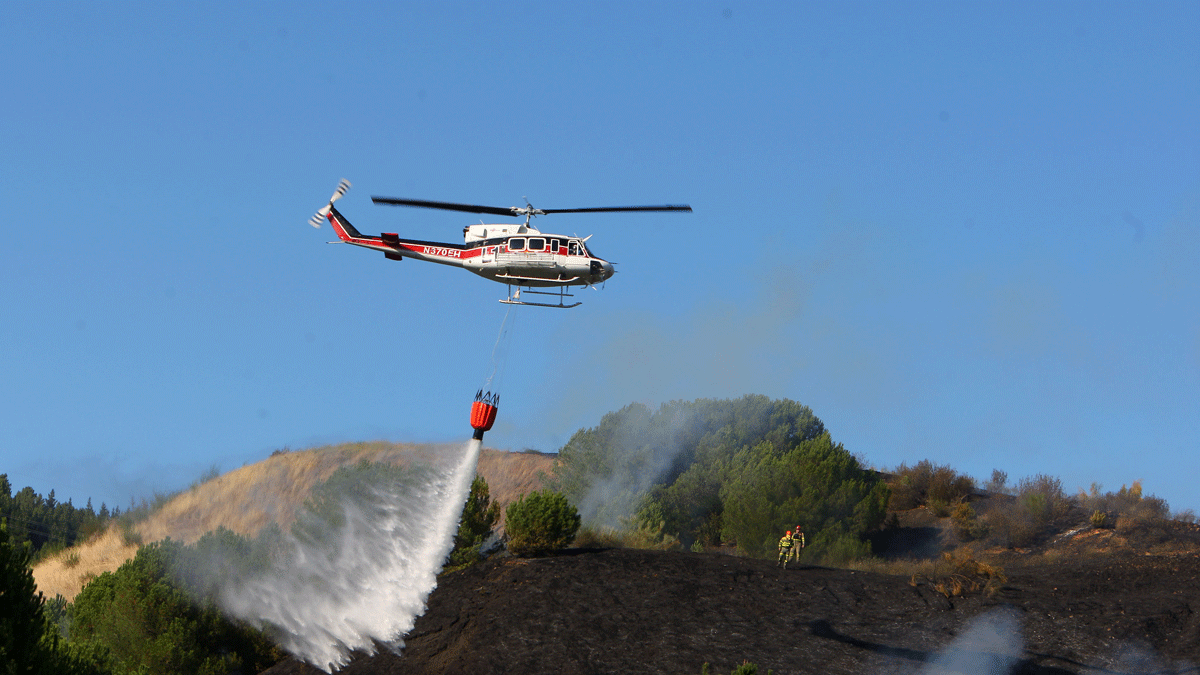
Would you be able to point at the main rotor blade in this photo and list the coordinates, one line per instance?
(602, 209)
(516, 211)
(446, 206)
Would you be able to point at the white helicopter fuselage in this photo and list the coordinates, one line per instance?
(522, 255)
(514, 254)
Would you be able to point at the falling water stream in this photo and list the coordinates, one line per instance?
(321, 601)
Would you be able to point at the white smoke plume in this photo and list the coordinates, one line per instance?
(363, 580)
(991, 645)
(640, 462)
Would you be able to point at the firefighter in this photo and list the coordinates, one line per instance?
(797, 543)
(785, 550)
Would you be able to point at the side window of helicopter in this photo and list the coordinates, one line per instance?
(537, 244)
(573, 248)
(554, 246)
(516, 244)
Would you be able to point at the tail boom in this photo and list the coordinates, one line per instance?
(395, 248)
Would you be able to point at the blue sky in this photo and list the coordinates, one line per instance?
(966, 232)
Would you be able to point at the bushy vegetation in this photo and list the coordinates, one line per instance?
(967, 525)
(157, 612)
(1040, 507)
(1037, 508)
(142, 619)
(630, 535)
(815, 484)
(1128, 502)
(927, 484)
(479, 517)
(540, 523)
(959, 573)
(47, 524)
(737, 472)
(29, 641)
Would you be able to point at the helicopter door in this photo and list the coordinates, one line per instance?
(489, 255)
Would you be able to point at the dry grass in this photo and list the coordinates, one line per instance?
(511, 474)
(94, 557)
(247, 499)
(644, 537)
(955, 574)
(959, 573)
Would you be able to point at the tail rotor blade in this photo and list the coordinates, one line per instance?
(342, 187)
(319, 217)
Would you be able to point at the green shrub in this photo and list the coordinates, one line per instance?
(30, 642)
(129, 535)
(1100, 519)
(938, 507)
(643, 536)
(967, 526)
(599, 537)
(540, 523)
(838, 551)
(480, 514)
(816, 484)
(138, 620)
(722, 473)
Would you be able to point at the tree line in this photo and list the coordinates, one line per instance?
(47, 523)
(707, 472)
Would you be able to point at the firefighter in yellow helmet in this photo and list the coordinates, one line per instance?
(797, 543)
(785, 550)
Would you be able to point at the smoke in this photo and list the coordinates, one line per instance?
(358, 578)
(991, 645)
(645, 446)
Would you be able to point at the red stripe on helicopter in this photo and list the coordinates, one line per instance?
(439, 251)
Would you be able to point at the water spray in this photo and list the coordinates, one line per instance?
(358, 581)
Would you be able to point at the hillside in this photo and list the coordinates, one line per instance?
(630, 611)
(247, 499)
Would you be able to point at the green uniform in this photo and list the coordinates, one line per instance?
(785, 550)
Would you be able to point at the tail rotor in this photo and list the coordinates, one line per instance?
(342, 187)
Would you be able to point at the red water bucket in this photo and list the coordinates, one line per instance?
(483, 415)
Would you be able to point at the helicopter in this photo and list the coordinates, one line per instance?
(516, 254)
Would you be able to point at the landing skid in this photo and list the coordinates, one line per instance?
(514, 298)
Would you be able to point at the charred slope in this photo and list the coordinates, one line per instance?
(606, 611)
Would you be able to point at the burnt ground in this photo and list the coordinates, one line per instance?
(1085, 610)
